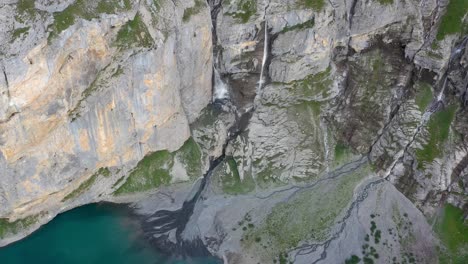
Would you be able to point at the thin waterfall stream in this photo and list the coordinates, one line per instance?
(221, 90)
(265, 56)
(433, 107)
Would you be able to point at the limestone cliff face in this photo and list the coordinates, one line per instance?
(341, 76)
(103, 92)
(341, 117)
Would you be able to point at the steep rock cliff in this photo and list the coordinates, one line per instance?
(342, 132)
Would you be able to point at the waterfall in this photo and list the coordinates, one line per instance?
(457, 50)
(265, 56)
(220, 88)
(441, 94)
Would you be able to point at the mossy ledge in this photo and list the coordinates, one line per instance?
(195, 9)
(231, 181)
(154, 169)
(438, 128)
(86, 10)
(246, 9)
(87, 184)
(11, 228)
(134, 34)
(452, 230)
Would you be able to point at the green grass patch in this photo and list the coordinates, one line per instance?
(301, 26)
(11, 228)
(231, 182)
(423, 96)
(86, 10)
(195, 9)
(154, 169)
(25, 6)
(134, 34)
(104, 172)
(267, 175)
(342, 152)
(438, 128)
(385, 2)
(452, 19)
(306, 216)
(118, 182)
(191, 156)
(151, 172)
(18, 32)
(119, 71)
(453, 232)
(246, 9)
(352, 260)
(87, 184)
(316, 5)
(25, 10)
(313, 85)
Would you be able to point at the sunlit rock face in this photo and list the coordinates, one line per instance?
(93, 95)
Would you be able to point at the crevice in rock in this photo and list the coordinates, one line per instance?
(6, 81)
(159, 224)
(351, 14)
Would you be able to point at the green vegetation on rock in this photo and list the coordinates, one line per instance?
(231, 181)
(197, 8)
(245, 9)
(308, 24)
(296, 220)
(342, 153)
(438, 128)
(18, 32)
(190, 155)
(134, 34)
(316, 5)
(25, 10)
(74, 113)
(423, 96)
(268, 174)
(154, 169)
(151, 172)
(314, 85)
(364, 104)
(25, 6)
(453, 232)
(9, 228)
(86, 10)
(353, 260)
(385, 2)
(87, 184)
(452, 19)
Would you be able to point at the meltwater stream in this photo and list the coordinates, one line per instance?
(92, 234)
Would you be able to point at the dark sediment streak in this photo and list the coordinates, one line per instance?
(158, 225)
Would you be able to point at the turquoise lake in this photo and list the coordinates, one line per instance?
(97, 233)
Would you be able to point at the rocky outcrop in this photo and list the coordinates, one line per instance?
(123, 80)
(343, 130)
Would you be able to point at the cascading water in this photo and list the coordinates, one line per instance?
(265, 56)
(220, 87)
(441, 94)
(429, 111)
(455, 53)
